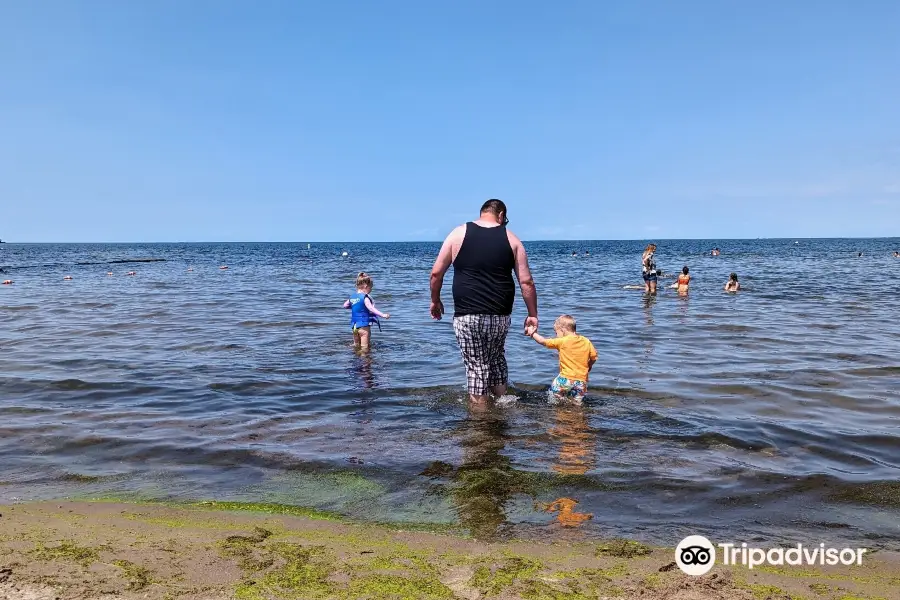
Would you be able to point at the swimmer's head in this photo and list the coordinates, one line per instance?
(685, 271)
(650, 248)
(564, 324)
(363, 281)
(733, 277)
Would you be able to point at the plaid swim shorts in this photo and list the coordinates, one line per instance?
(482, 343)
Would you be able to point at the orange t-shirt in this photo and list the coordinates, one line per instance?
(575, 352)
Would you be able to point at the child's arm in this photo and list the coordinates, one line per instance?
(538, 337)
(347, 303)
(592, 358)
(371, 306)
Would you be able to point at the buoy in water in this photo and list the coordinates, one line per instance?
(345, 254)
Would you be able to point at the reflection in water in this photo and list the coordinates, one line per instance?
(577, 443)
(577, 455)
(683, 305)
(362, 369)
(567, 516)
(648, 302)
(486, 480)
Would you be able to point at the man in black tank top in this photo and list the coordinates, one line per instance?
(484, 255)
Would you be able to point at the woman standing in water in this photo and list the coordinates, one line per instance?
(732, 285)
(648, 269)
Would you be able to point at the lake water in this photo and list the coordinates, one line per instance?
(773, 414)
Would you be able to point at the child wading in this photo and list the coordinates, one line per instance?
(684, 281)
(363, 312)
(576, 357)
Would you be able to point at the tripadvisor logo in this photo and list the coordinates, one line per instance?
(696, 555)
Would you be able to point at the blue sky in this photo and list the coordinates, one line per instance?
(214, 120)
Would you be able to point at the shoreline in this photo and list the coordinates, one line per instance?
(213, 551)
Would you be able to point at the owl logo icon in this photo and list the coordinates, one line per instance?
(695, 555)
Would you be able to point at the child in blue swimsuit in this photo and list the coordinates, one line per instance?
(363, 313)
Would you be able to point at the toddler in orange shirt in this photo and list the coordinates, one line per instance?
(577, 356)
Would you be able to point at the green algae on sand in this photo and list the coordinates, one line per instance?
(138, 577)
(260, 551)
(66, 550)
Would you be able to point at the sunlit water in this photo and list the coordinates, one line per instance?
(771, 414)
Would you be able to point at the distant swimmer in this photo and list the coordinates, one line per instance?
(684, 281)
(7, 282)
(732, 285)
(716, 252)
(67, 278)
(131, 273)
(896, 254)
(574, 254)
(363, 313)
(859, 255)
(345, 254)
(109, 274)
(648, 269)
(587, 253)
(190, 269)
(223, 267)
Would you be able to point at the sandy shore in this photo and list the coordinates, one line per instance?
(113, 551)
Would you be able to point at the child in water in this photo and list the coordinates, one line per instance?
(363, 312)
(577, 356)
(684, 281)
(732, 285)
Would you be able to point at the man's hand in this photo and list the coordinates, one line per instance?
(531, 322)
(437, 310)
(530, 330)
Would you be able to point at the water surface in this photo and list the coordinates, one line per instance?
(771, 414)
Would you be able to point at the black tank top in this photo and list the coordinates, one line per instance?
(483, 273)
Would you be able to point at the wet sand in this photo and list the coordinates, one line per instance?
(214, 551)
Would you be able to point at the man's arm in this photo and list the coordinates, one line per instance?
(526, 282)
(441, 264)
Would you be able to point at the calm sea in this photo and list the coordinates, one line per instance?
(773, 414)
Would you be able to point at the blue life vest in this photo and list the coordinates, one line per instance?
(360, 316)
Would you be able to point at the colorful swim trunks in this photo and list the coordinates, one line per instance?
(573, 389)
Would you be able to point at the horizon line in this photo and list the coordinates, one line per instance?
(4, 242)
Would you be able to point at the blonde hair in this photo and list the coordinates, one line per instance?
(363, 280)
(565, 322)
